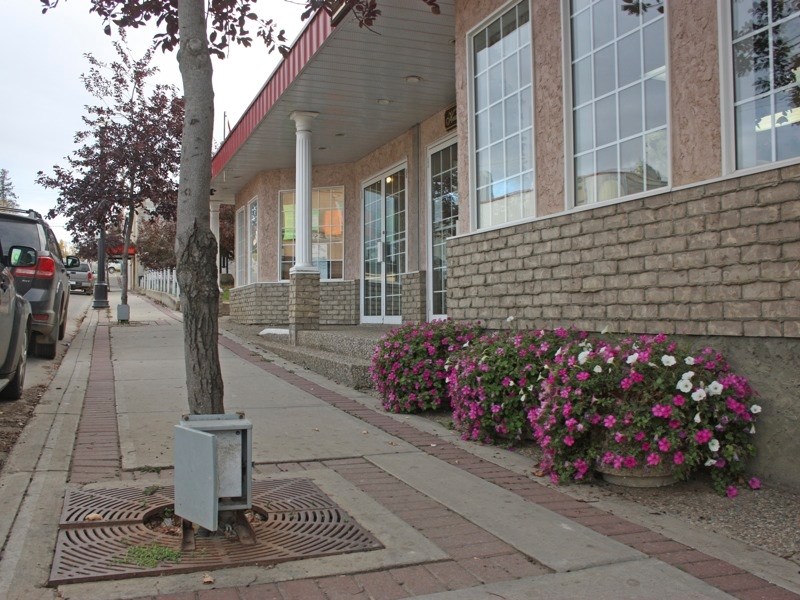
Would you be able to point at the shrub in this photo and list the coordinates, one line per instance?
(408, 365)
(643, 403)
(495, 381)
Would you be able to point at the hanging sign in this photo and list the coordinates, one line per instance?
(450, 118)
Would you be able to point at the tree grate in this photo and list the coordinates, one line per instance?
(298, 521)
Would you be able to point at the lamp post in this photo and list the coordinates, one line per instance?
(101, 287)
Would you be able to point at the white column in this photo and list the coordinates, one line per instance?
(215, 230)
(302, 193)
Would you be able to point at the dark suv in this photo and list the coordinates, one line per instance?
(46, 284)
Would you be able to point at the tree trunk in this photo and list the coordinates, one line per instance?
(195, 245)
(126, 244)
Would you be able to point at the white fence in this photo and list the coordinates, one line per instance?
(164, 281)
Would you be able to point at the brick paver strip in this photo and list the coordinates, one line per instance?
(618, 528)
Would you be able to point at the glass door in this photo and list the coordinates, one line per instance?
(443, 215)
(384, 248)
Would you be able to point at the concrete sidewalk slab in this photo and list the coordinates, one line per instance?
(555, 541)
(638, 580)
(296, 434)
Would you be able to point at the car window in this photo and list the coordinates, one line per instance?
(19, 233)
(52, 244)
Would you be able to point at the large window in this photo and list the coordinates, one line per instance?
(766, 80)
(503, 107)
(241, 247)
(327, 232)
(252, 241)
(619, 98)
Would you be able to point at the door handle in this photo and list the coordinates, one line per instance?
(381, 251)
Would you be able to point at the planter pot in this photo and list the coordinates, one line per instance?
(638, 477)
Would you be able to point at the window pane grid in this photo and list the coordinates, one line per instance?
(252, 237)
(619, 99)
(766, 53)
(327, 232)
(503, 121)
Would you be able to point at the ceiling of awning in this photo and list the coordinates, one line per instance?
(353, 69)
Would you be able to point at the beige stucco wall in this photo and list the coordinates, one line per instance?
(694, 83)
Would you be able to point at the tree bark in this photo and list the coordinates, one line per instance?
(125, 246)
(195, 245)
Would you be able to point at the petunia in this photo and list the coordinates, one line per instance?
(697, 418)
(653, 459)
(632, 358)
(678, 400)
(755, 409)
(609, 421)
(569, 440)
(699, 395)
(678, 458)
(714, 388)
(713, 445)
(689, 360)
(684, 385)
(754, 483)
(668, 360)
(703, 436)
(598, 369)
(732, 491)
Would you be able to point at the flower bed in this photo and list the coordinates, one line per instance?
(638, 405)
(408, 365)
(495, 382)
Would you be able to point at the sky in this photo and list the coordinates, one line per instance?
(42, 97)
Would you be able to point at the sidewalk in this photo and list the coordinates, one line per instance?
(449, 520)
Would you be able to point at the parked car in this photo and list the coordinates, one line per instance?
(114, 266)
(15, 322)
(44, 284)
(81, 278)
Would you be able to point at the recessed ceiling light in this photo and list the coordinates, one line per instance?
(383, 101)
(413, 78)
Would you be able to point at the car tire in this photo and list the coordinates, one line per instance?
(45, 349)
(62, 326)
(13, 391)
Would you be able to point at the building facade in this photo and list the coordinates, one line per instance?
(598, 163)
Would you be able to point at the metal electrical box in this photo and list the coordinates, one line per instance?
(213, 466)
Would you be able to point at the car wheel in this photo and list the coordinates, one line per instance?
(45, 349)
(62, 326)
(13, 391)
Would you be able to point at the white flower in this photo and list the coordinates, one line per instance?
(583, 357)
(699, 395)
(610, 360)
(598, 369)
(632, 358)
(668, 360)
(755, 409)
(697, 418)
(510, 319)
(604, 331)
(714, 388)
(713, 445)
(752, 429)
(684, 385)
(711, 461)
(523, 398)
(466, 344)
(558, 352)
(689, 360)
(687, 375)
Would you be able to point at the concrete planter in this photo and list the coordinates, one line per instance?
(638, 477)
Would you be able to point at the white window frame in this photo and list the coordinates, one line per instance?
(726, 95)
(569, 144)
(280, 228)
(471, 129)
(252, 270)
(431, 150)
(241, 246)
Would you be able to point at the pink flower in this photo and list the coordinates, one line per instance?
(678, 400)
(619, 438)
(664, 445)
(629, 462)
(662, 410)
(653, 459)
(608, 458)
(754, 483)
(703, 436)
(582, 376)
(678, 458)
(639, 436)
(732, 491)
(569, 440)
(609, 421)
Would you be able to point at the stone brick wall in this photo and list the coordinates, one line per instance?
(304, 296)
(260, 304)
(414, 299)
(718, 259)
(339, 303)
